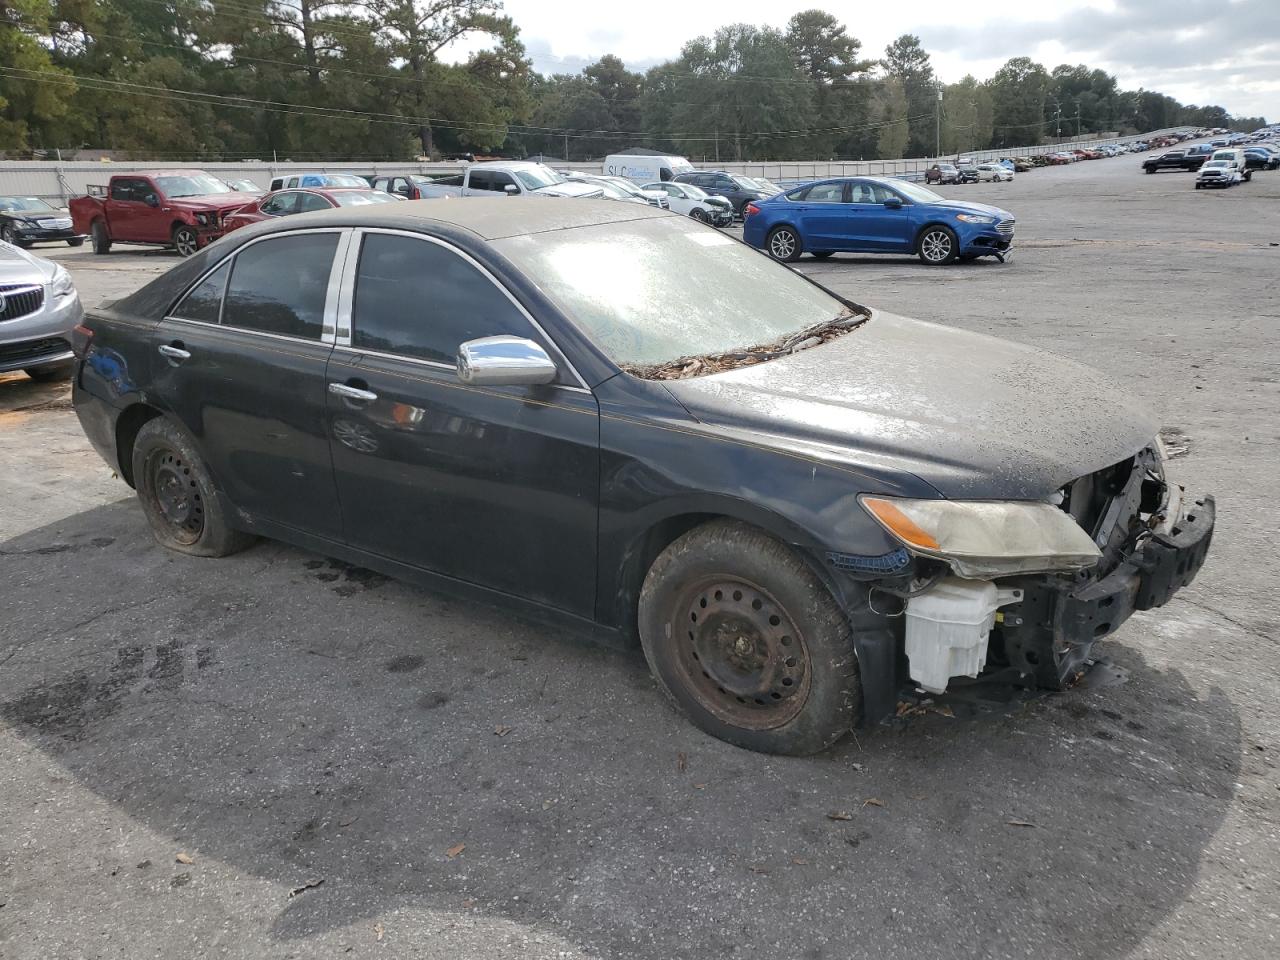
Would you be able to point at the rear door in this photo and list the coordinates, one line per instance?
(496, 486)
(823, 217)
(240, 361)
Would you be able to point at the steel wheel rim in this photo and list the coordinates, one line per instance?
(177, 495)
(782, 244)
(740, 653)
(936, 246)
(185, 243)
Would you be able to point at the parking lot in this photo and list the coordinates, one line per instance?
(278, 755)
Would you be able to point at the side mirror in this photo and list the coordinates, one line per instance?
(893, 203)
(151, 200)
(504, 360)
(511, 189)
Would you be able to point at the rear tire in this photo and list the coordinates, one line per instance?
(177, 494)
(743, 637)
(938, 245)
(52, 373)
(76, 242)
(101, 240)
(784, 244)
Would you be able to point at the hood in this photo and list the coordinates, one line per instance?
(973, 416)
(212, 201)
(964, 206)
(59, 213)
(18, 266)
(570, 188)
(715, 201)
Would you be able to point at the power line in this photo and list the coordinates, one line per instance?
(336, 113)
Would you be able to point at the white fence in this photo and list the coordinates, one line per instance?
(60, 180)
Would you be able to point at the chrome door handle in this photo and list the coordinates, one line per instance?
(352, 393)
(174, 353)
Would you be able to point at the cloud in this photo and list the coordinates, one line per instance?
(1203, 51)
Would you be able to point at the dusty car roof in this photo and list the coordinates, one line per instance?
(489, 218)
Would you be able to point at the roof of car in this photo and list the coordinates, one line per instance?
(490, 218)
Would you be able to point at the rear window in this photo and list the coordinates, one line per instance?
(279, 285)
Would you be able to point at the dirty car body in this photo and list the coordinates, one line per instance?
(487, 397)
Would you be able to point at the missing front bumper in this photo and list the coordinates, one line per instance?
(1049, 635)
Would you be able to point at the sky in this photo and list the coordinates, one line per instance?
(1200, 51)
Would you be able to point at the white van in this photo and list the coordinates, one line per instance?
(1234, 156)
(645, 169)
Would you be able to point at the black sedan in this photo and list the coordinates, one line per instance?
(622, 420)
(28, 220)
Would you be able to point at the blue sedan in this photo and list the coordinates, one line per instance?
(876, 215)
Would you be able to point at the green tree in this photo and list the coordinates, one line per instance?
(966, 116)
(824, 52)
(906, 61)
(1018, 93)
(890, 110)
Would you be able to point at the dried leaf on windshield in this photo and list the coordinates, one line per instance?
(682, 368)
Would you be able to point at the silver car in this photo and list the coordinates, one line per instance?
(38, 308)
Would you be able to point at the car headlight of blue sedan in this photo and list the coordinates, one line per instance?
(974, 218)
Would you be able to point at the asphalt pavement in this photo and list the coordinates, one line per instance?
(276, 755)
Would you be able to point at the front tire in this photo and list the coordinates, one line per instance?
(101, 240)
(185, 240)
(784, 244)
(822, 254)
(76, 242)
(938, 245)
(177, 494)
(743, 637)
(700, 215)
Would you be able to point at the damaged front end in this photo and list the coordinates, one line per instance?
(983, 587)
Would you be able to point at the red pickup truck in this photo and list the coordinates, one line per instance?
(183, 209)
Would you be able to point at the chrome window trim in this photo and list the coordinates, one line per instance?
(346, 301)
(344, 235)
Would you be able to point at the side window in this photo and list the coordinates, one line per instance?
(204, 302)
(419, 299)
(824, 193)
(869, 193)
(121, 189)
(279, 285)
(480, 180)
(501, 180)
(282, 204)
(379, 183)
(312, 201)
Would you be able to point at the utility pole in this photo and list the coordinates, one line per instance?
(566, 146)
(937, 125)
(1077, 99)
(1057, 117)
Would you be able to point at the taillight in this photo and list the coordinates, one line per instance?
(750, 209)
(81, 336)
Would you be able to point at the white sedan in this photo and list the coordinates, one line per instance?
(994, 172)
(695, 202)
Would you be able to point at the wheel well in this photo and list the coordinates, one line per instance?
(646, 548)
(127, 427)
(640, 557)
(177, 225)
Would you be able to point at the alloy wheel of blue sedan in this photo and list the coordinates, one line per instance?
(784, 244)
(937, 245)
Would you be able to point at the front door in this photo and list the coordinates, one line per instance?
(241, 363)
(873, 226)
(496, 486)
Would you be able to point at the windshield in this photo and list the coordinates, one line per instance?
(626, 186)
(336, 180)
(692, 192)
(34, 204)
(654, 290)
(356, 198)
(746, 183)
(913, 191)
(537, 176)
(192, 185)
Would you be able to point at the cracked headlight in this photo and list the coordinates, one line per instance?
(982, 539)
(204, 219)
(974, 218)
(61, 284)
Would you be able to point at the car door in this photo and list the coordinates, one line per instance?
(495, 486)
(822, 216)
(283, 204)
(875, 227)
(128, 214)
(309, 202)
(679, 200)
(240, 361)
